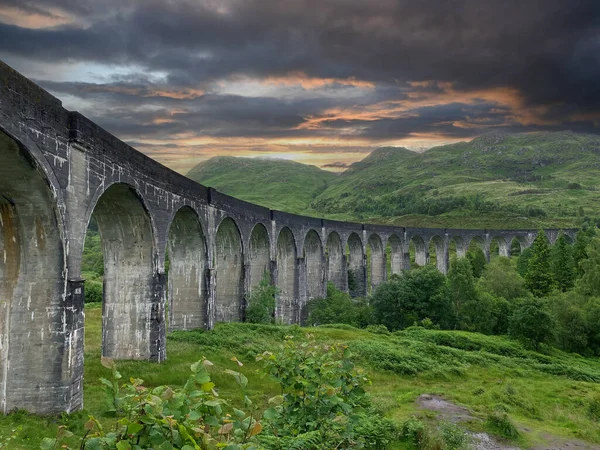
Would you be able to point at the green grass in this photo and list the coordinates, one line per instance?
(553, 393)
(554, 173)
(277, 184)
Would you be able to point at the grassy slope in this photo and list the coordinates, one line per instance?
(525, 170)
(476, 371)
(277, 184)
(522, 171)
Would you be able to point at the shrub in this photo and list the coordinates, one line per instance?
(377, 329)
(339, 308)
(402, 301)
(92, 291)
(532, 324)
(322, 392)
(192, 417)
(500, 423)
(261, 305)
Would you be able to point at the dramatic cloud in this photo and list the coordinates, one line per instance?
(320, 81)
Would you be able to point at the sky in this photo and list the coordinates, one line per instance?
(322, 82)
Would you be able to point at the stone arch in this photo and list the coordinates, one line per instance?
(499, 247)
(517, 245)
(336, 264)
(187, 277)
(286, 309)
(396, 254)
(313, 258)
(228, 267)
(133, 292)
(33, 336)
(258, 255)
(457, 247)
(441, 253)
(377, 262)
(418, 251)
(357, 277)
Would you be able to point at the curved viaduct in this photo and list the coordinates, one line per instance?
(57, 169)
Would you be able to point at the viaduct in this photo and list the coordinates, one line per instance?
(57, 169)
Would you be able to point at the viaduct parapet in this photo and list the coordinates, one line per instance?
(57, 169)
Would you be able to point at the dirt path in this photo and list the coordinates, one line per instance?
(451, 412)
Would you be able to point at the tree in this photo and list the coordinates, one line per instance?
(477, 259)
(461, 284)
(532, 324)
(539, 279)
(339, 307)
(589, 283)
(404, 300)
(570, 319)
(523, 262)
(501, 279)
(582, 240)
(563, 268)
(261, 306)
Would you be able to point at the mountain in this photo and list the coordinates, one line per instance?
(496, 180)
(273, 183)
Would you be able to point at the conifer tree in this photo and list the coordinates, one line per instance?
(582, 240)
(477, 260)
(539, 279)
(563, 267)
(589, 283)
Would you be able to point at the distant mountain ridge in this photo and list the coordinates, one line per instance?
(496, 180)
(274, 183)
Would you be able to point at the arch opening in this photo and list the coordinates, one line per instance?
(287, 308)
(357, 277)
(228, 268)
(499, 247)
(32, 283)
(336, 267)
(131, 288)
(418, 251)
(187, 276)
(457, 247)
(516, 247)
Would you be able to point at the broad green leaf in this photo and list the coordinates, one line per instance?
(48, 444)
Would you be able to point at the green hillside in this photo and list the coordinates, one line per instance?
(497, 180)
(277, 184)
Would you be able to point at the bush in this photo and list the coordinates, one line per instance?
(92, 291)
(323, 397)
(402, 301)
(339, 308)
(501, 424)
(532, 324)
(172, 418)
(261, 305)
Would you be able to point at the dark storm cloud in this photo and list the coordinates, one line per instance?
(548, 49)
(544, 53)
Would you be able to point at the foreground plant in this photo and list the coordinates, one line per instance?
(163, 418)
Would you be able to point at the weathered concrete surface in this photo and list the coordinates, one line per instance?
(258, 255)
(355, 255)
(287, 301)
(187, 280)
(336, 262)
(57, 168)
(377, 261)
(228, 269)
